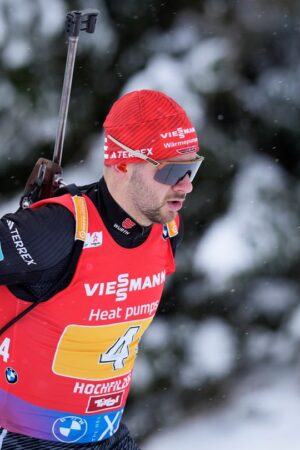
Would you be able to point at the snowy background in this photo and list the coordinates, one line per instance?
(219, 367)
(258, 415)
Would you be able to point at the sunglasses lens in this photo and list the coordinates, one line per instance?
(172, 173)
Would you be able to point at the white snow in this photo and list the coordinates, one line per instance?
(210, 352)
(7, 94)
(273, 96)
(143, 374)
(51, 20)
(208, 65)
(16, 53)
(3, 27)
(262, 414)
(265, 345)
(20, 13)
(158, 335)
(271, 297)
(258, 225)
(168, 74)
(293, 326)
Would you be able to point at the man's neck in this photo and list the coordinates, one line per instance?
(122, 227)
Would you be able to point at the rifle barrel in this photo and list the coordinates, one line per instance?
(65, 100)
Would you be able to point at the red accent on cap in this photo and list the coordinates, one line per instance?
(150, 122)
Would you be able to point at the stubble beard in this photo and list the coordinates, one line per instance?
(145, 201)
(155, 215)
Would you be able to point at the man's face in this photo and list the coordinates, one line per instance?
(154, 202)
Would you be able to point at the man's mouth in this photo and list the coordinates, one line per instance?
(175, 205)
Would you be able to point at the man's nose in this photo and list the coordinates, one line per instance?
(184, 185)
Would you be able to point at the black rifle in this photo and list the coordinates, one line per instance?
(46, 175)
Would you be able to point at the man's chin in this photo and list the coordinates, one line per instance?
(168, 216)
(162, 216)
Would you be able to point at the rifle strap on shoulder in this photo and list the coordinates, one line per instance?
(81, 216)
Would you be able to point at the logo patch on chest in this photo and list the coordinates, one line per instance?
(94, 239)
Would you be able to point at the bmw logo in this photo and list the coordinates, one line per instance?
(69, 428)
(11, 375)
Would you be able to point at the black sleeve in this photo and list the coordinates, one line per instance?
(176, 240)
(33, 241)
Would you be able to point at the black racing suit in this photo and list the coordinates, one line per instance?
(47, 235)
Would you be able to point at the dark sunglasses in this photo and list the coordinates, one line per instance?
(168, 172)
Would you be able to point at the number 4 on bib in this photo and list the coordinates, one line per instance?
(119, 351)
(4, 349)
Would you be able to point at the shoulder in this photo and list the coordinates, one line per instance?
(44, 214)
(46, 234)
(51, 222)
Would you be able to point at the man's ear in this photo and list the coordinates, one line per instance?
(122, 167)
